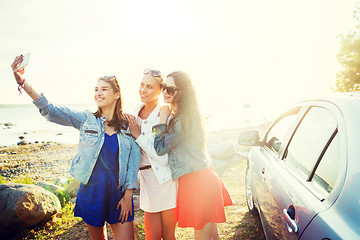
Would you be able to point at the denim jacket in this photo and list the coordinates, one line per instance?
(92, 136)
(159, 164)
(185, 154)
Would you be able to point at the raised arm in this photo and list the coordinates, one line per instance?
(20, 79)
(56, 114)
(166, 141)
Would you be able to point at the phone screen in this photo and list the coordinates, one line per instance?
(25, 60)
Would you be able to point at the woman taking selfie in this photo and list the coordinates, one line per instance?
(107, 160)
(157, 190)
(201, 194)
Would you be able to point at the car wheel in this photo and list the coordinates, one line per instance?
(249, 194)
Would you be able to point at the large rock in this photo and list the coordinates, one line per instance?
(220, 163)
(72, 188)
(24, 205)
(221, 166)
(62, 181)
(50, 187)
(222, 151)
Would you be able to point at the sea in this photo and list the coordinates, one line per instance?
(24, 122)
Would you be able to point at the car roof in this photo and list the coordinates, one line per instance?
(355, 95)
(339, 99)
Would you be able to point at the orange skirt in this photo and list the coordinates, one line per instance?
(201, 199)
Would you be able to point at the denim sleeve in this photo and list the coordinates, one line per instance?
(147, 145)
(164, 141)
(59, 115)
(133, 166)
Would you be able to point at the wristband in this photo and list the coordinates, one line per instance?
(21, 86)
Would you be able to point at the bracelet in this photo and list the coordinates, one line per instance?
(21, 86)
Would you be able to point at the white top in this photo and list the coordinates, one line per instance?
(144, 159)
(159, 164)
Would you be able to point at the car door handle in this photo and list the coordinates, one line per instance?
(292, 225)
(262, 174)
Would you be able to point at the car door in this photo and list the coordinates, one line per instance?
(293, 193)
(261, 160)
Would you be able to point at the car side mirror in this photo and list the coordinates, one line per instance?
(249, 138)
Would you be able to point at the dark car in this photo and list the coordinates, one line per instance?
(303, 175)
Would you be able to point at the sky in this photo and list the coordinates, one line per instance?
(268, 54)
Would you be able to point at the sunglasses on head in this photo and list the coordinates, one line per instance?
(110, 77)
(169, 90)
(154, 73)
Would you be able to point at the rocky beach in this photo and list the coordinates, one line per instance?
(50, 161)
(38, 161)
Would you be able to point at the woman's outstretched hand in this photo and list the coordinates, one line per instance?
(18, 73)
(20, 79)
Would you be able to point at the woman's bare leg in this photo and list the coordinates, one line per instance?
(123, 231)
(215, 233)
(97, 233)
(205, 232)
(152, 225)
(168, 218)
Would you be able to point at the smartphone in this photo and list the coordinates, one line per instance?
(25, 60)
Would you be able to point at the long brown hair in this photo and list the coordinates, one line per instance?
(187, 109)
(118, 120)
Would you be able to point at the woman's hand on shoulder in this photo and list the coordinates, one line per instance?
(165, 112)
(133, 127)
(128, 116)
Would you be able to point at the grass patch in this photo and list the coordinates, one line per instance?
(2, 180)
(22, 180)
(63, 197)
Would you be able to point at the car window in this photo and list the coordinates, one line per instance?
(327, 171)
(315, 134)
(275, 137)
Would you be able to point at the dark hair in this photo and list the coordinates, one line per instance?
(118, 120)
(187, 109)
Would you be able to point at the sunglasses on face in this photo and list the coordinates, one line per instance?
(154, 73)
(169, 90)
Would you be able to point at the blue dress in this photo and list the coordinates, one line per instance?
(96, 201)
